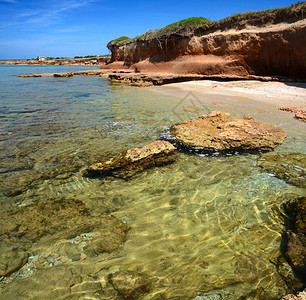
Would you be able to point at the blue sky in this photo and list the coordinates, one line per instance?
(31, 28)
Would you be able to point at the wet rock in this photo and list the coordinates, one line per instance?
(52, 220)
(296, 252)
(300, 113)
(287, 275)
(11, 260)
(294, 239)
(217, 131)
(66, 74)
(129, 284)
(290, 167)
(135, 160)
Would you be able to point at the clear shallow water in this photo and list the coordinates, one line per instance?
(203, 225)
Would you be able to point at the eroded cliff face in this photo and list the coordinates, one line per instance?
(262, 47)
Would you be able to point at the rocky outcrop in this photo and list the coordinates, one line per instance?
(135, 160)
(262, 43)
(300, 113)
(217, 131)
(290, 167)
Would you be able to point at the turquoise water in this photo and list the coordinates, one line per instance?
(201, 226)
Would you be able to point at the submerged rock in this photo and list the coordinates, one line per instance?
(49, 221)
(217, 131)
(258, 294)
(294, 239)
(290, 167)
(132, 161)
(129, 284)
(11, 259)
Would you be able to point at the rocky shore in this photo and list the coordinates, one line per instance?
(155, 79)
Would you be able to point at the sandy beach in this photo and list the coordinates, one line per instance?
(275, 93)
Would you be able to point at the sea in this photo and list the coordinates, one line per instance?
(206, 226)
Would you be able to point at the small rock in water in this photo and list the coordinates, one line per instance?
(129, 284)
(135, 160)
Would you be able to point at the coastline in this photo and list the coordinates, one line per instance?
(275, 90)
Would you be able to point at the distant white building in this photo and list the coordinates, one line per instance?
(41, 58)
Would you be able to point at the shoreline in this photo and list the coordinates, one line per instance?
(273, 93)
(150, 79)
(281, 92)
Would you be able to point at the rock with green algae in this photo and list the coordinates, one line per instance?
(218, 131)
(129, 284)
(290, 167)
(135, 160)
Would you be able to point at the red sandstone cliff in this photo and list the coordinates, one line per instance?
(267, 43)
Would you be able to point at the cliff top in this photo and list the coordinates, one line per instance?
(201, 26)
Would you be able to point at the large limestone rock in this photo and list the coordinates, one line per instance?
(134, 160)
(217, 131)
(290, 167)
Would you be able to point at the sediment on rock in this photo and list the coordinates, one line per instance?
(218, 131)
(135, 160)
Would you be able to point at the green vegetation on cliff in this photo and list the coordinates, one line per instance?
(253, 18)
(119, 41)
(187, 24)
